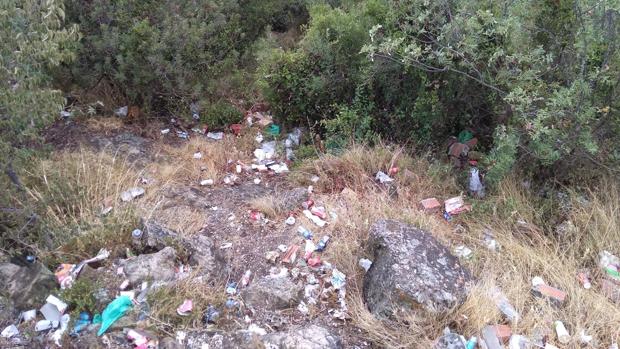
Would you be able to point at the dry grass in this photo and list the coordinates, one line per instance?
(165, 300)
(527, 248)
(68, 193)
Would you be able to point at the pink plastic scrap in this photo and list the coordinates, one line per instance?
(67, 273)
(185, 308)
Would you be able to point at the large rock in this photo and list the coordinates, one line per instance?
(272, 293)
(411, 269)
(158, 266)
(199, 249)
(308, 337)
(26, 286)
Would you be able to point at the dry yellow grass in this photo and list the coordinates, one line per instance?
(514, 216)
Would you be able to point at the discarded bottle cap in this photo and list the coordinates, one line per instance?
(136, 233)
(30, 258)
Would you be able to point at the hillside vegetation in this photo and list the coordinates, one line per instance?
(513, 106)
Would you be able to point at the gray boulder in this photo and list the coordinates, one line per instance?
(198, 248)
(272, 293)
(158, 266)
(26, 286)
(308, 337)
(411, 269)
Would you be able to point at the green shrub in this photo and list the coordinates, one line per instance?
(220, 115)
(164, 55)
(81, 296)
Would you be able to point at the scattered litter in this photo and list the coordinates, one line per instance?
(272, 256)
(383, 178)
(315, 179)
(430, 205)
(122, 111)
(10, 331)
(29, 315)
(106, 210)
(255, 215)
(463, 251)
(132, 193)
(165, 131)
(308, 249)
(489, 241)
(610, 265)
(253, 328)
(231, 288)
(197, 155)
(245, 280)
(60, 305)
(66, 274)
(230, 179)
(256, 180)
(476, 188)
(259, 138)
(124, 285)
(584, 279)
(273, 130)
(44, 325)
(185, 308)
(319, 211)
(182, 134)
(279, 168)
(456, 205)
(205, 182)
(211, 315)
(81, 323)
(490, 338)
(290, 220)
(226, 245)
(316, 220)
(64, 323)
(291, 254)
(365, 263)
(307, 234)
(236, 129)
(541, 289)
(138, 339)
(282, 248)
(503, 304)
(50, 312)
(114, 311)
(518, 341)
(584, 338)
(562, 333)
(322, 243)
(303, 308)
(471, 343)
(130, 294)
(314, 261)
(338, 279)
(215, 135)
(307, 204)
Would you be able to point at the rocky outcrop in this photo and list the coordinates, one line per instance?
(411, 269)
(308, 337)
(26, 286)
(158, 266)
(272, 293)
(199, 249)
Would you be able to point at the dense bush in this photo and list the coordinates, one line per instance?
(536, 81)
(164, 55)
(34, 40)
